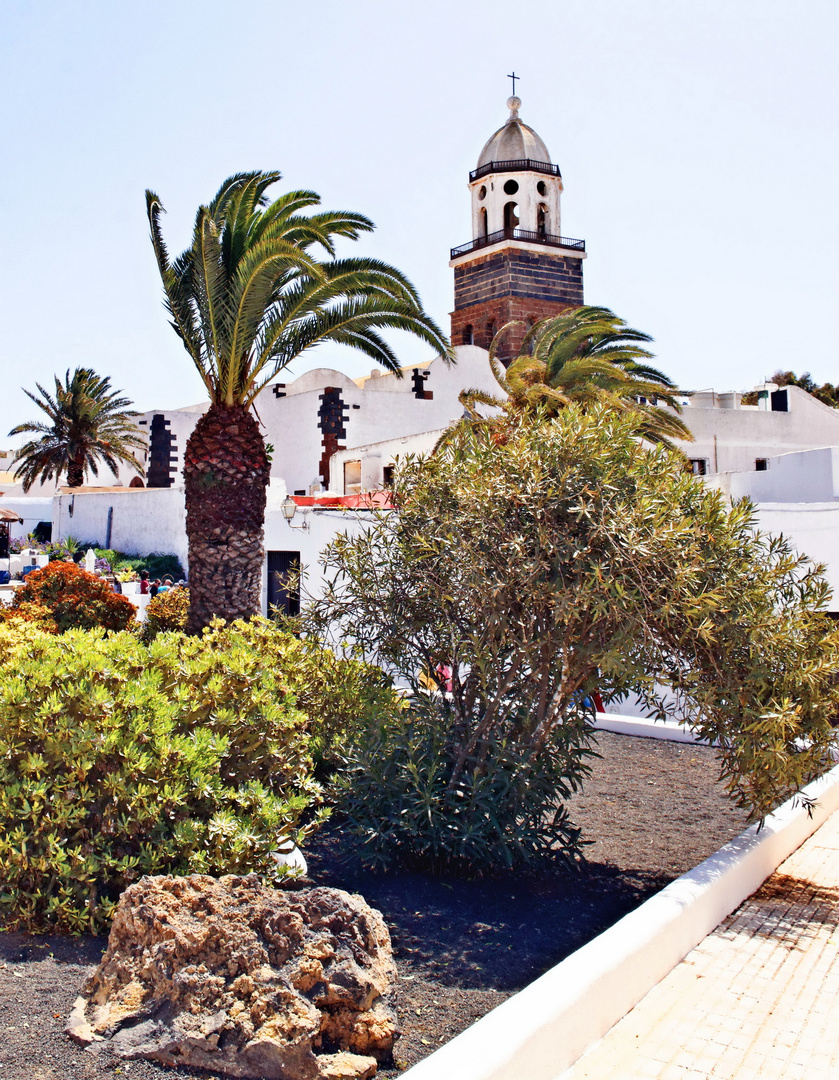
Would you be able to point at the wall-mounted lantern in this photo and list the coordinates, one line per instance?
(289, 509)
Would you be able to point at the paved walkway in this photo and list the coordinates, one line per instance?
(758, 998)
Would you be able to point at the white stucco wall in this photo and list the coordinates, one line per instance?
(377, 456)
(803, 476)
(310, 531)
(144, 520)
(730, 439)
(381, 409)
(528, 199)
(813, 529)
(797, 497)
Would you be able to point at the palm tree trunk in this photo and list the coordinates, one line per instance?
(75, 473)
(226, 472)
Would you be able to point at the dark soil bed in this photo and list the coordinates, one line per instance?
(652, 810)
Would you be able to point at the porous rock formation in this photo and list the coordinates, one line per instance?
(229, 975)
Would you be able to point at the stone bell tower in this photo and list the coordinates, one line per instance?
(517, 265)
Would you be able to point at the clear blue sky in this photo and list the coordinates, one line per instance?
(698, 142)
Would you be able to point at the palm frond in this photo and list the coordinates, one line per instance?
(247, 297)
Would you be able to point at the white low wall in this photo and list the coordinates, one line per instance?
(540, 1032)
(668, 730)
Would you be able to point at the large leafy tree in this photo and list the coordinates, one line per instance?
(525, 574)
(246, 297)
(88, 423)
(586, 355)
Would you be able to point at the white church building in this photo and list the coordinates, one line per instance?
(337, 438)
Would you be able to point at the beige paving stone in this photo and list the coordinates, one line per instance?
(756, 999)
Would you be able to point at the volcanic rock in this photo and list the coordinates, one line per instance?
(226, 974)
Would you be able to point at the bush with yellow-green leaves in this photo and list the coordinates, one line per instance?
(118, 759)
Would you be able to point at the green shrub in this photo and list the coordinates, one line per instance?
(166, 611)
(73, 598)
(339, 696)
(394, 788)
(158, 565)
(119, 759)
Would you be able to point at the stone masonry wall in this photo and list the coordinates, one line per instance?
(512, 284)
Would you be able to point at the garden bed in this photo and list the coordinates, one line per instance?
(652, 810)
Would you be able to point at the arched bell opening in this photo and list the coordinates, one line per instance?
(511, 215)
(468, 335)
(484, 224)
(543, 220)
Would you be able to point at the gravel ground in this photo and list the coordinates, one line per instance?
(651, 810)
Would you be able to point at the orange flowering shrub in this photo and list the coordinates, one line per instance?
(72, 599)
(32, 613)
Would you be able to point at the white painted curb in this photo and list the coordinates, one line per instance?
(646, 728)
(540, 1032)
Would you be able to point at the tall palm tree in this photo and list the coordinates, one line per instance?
(584, 355)
(246, 297)
(88, 423)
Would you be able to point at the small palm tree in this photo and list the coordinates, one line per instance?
(247, 297)
(585, 355)
(88, 423)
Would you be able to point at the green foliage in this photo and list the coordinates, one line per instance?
(826, 393)
(119, 759)
(158, 565)
(343, 696)
(166, 611)
(73, 598)
(61, 548)
(339, 695)
(250, 294)
(586, 355)
(567, 557)
(395, 792)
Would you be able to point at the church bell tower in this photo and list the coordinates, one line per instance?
(517, 266)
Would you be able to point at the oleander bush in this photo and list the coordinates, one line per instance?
(166, 611)
(119, 759)
(538, 559)
(73, 599)
(395, 792)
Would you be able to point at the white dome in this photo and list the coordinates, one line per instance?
(514, 142)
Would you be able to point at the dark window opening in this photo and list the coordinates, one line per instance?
(779, 401)
(511, 217)
(467, 335)
(699, 466)
(542, 187)
(484, 220)
(43, 532)
(388, 473)
(301, 491)
(761, 464)
(283, 586)
(511, 187)
(543, 220)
